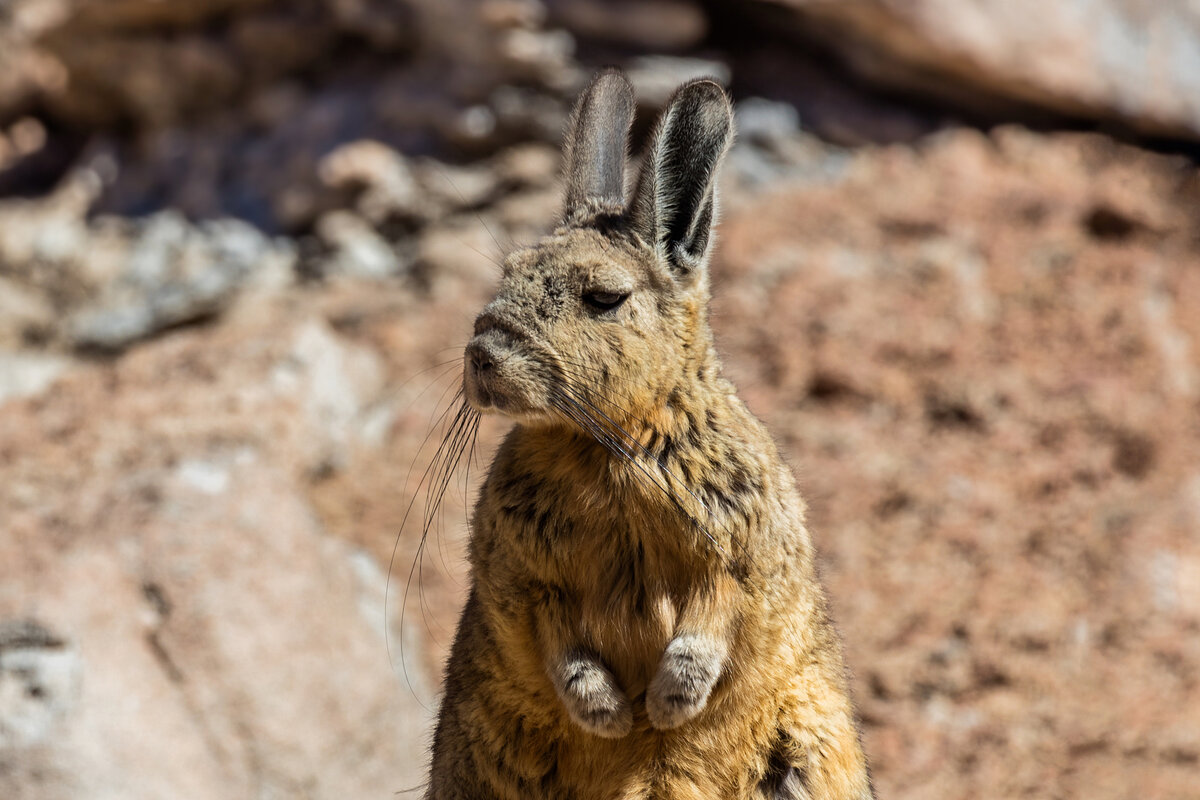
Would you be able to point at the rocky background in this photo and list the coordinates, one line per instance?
(241, 245)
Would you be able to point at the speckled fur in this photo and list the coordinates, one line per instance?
(644, 620)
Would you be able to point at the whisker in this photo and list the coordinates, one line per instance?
(458, 445)
(392, 392)
(640, 475)
(482, 254)
(466, 481)
(429, 470)
(407, 480)
(609, 438)
(478, 216)
(633, 441)
(586, 374)
(442, 469)
(454, 453)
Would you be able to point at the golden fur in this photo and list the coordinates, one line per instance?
(644, 620)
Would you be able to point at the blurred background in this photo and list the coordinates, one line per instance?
(241, 246)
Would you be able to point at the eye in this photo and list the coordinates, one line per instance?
(605, 301)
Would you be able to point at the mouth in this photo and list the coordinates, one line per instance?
(495, 380)
(480, 396)
(487, 397)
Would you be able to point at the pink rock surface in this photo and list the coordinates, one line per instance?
(981, 354)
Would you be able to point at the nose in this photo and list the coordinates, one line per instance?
(480, 359)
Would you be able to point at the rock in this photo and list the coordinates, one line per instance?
(981, 351)
(650, 25)
(26, 314)
(380, 177)
(655, 78)
(24, 374)
(50, 229)
(542, 56)
(919, 311)
(127, 666)
(453, 188)
(531, 114)
(357, 250)
(509, 14)
(765, 122)
(771, 148)
(461, 254)
(1124, 60)
(529, 165)
(525, 216)
(111, 281)
(78, 59)
(24, 138)
(234, 102)
(39, 684)
(174, 273)
(337, 383)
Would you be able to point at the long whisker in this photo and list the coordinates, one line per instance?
(587, 375)
(442, 468)
(619, 448)
(575, 413)
(408, 510)
(580, 394)
(465, 491)
(634, 442)
(446, 177)
(443, 365)
(432, 469)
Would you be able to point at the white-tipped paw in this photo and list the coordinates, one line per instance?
(686, 675)
(592, 698)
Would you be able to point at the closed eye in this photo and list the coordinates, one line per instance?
(605, 301)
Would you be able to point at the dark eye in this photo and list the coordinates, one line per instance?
(605, 301)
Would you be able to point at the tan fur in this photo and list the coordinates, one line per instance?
(644, 620)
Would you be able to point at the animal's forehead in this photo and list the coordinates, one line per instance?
(573, 253)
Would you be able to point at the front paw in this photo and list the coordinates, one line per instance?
(592, 698)
(686, 675)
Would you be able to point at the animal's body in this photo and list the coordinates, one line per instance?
(644, 620)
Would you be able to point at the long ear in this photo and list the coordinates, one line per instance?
(594, 152)
(675, 204)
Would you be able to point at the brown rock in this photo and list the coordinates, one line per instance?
(991, 404)
(1133, 61)
(379, 175)
(653, 25)
(158, 63)
(198, 631)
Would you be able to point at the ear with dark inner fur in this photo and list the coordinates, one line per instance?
(674, 206)
(594, 152)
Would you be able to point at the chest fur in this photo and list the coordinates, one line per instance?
(619, 575)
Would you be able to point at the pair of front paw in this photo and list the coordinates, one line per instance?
(686, 674)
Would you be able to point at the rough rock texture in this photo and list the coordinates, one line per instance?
(1128, 60)
(232, 101)
(231, 321)
(174, 619)
(103, 283)
(101, 60)
(983, 358)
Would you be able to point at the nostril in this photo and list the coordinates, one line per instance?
(480, 359)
